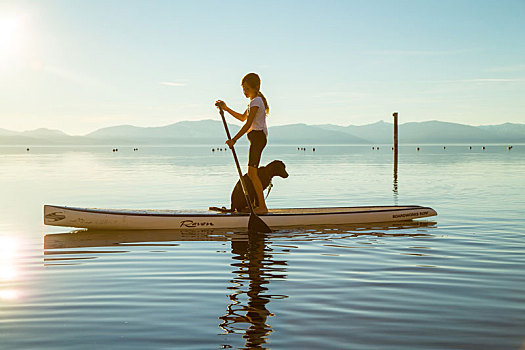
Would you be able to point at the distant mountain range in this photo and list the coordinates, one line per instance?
(211, 132)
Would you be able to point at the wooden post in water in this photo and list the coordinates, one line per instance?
(395, 153)
(395, 140)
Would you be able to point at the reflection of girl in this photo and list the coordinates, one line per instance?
(255, 117)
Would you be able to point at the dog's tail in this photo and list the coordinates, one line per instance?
(221, 210)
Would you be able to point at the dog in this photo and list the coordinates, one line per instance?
(266, 173)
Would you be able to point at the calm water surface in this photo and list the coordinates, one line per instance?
(456, 281)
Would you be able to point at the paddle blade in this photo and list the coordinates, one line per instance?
(255, 224)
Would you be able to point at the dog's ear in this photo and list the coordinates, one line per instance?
(282, 169)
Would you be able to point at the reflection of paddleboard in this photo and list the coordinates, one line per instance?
(149, 219)
(157, 238)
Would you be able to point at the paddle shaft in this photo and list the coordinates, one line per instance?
(243, 185)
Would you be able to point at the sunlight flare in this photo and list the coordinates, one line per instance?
(8, 32)
(11, 30)
(8, 247)
(8, 294)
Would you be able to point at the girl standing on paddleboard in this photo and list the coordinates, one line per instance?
(255, 126)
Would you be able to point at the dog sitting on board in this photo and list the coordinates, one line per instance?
(266, 173)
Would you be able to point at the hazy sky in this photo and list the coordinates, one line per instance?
(82, 65)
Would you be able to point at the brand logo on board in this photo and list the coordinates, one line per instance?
(191, 223)
(56, 216)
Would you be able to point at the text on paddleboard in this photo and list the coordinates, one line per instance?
(191, 223)
(407, 215)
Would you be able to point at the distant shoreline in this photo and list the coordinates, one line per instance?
(210, 132)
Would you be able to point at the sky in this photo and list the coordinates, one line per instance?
(82, 65)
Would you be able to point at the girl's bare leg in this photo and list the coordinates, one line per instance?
(252, 174)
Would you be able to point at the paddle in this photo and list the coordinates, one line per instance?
(255, 223)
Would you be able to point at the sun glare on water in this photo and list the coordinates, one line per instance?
(8, 252)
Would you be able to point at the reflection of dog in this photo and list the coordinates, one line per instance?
(266, 173)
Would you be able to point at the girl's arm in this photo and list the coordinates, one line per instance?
(245, 127)
(239, 116)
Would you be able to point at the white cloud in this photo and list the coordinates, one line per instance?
(484, 80)
(512, 68)
(416, 52)
(171, 83)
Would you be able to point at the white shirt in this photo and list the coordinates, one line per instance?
(259, 122)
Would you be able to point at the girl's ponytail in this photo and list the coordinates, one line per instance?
(266, 107)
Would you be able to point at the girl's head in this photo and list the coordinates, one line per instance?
(251, 85)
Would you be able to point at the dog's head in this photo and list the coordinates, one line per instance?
(278, 169)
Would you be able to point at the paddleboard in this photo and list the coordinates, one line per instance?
(151, 219)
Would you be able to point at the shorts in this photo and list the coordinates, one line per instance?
(257, 143)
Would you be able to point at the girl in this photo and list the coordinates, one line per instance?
(255, 117)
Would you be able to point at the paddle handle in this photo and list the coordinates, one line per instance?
(243, 185)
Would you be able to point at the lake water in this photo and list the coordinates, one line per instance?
(455, 281)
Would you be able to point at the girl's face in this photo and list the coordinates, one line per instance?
(249, 91)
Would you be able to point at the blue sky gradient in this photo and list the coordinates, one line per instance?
(82, 65)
